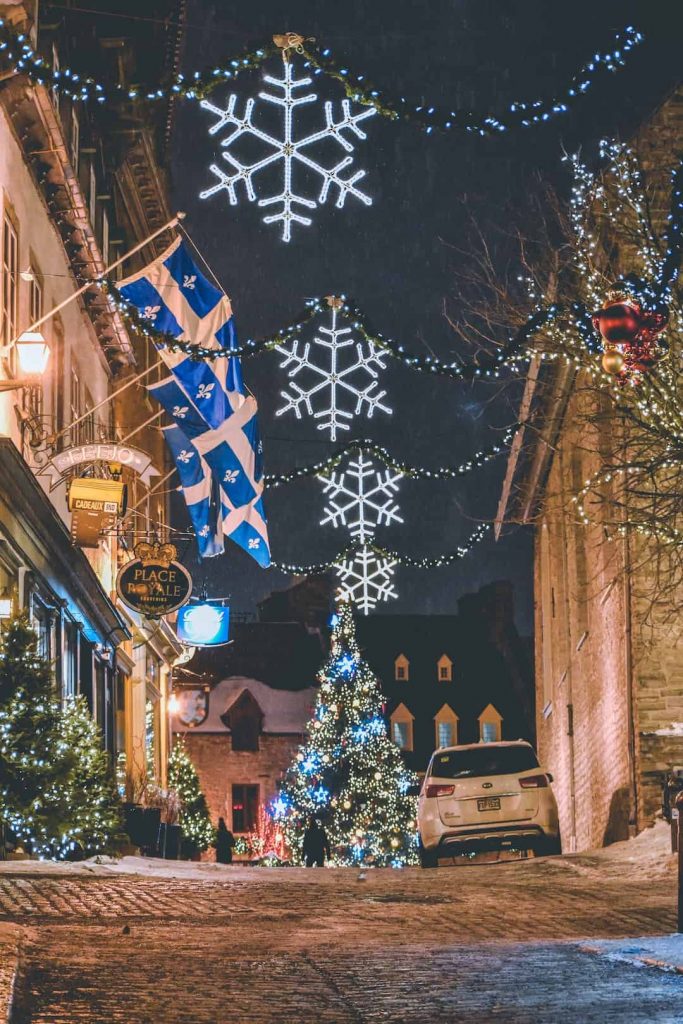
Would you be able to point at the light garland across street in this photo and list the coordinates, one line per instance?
(17, 51)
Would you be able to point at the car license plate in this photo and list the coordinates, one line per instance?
(489, 803)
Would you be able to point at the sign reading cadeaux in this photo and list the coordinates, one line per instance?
(154, 584)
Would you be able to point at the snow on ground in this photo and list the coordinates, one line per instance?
(647, 855)
(662, 951)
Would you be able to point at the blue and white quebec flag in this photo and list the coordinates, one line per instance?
(214, 438)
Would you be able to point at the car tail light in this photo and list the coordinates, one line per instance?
(440, 791)
(534, 782)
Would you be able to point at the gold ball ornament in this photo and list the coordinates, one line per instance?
(612, 360)
(347, 805)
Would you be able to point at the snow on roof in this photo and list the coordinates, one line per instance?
(284, 711)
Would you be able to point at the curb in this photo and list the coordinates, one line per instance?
(10, 943)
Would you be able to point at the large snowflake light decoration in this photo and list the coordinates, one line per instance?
(343, 372)
(366, 579)
(361, 498)
(288, 150)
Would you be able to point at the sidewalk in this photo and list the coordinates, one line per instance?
(662, 951)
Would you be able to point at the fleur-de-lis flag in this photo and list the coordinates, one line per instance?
(215, 438)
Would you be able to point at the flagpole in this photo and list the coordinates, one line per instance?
(173, 222)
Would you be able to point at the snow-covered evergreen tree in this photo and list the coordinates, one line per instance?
(349, 775)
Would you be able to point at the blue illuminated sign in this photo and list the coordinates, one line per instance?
(203, 625)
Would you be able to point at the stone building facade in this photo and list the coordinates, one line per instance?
(609, 661)
(248, 737)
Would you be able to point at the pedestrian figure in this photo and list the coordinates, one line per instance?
(225, 841)
(316, 845)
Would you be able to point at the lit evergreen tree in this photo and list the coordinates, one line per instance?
(198, 832)
(349, 775)
(57, 794)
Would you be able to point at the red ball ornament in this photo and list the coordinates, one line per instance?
(619, 320)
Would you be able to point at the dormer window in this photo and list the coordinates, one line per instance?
(402, 727)
(444, 668)
(446, 727)
(490, 725)
(401, 669)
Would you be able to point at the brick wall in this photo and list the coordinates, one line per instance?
(219, 767)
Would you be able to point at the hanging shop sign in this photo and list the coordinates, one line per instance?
(203, 625)
(95, 505)
(193, 706)
(154, 583)
(112, 452)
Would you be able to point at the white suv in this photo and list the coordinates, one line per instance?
(486, 796)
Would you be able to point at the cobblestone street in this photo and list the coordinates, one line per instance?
(259, 946)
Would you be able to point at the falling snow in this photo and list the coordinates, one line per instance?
(334, 366)
(290, 151)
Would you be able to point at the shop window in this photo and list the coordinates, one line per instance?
(490, 725)
(402, 727)
(444, 668)
(401, 669)
(71, 645)
(245, 802)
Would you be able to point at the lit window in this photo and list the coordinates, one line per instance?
(446, 727)
(401, 668)
(245, 803)
(401, 735)
(445, 734)
(402, 728)
(490, 723)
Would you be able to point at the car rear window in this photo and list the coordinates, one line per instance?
(484, 760)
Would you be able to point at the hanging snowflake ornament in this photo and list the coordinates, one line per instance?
(336, 365)
(290, 151)
(366, 579)
(361, 498)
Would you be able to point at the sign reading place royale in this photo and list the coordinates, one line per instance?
(103, 451)
(154, 584)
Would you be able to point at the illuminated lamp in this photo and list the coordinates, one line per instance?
(204, 625)
(33, 353)
(6, 604)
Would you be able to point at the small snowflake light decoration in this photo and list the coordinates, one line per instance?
(289, 150)
(336, 364)
(361, 498)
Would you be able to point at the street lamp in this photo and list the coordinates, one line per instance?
(33, 353)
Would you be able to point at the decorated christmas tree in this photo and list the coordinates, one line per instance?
(57, 794)
(198, 832)
(349, 775)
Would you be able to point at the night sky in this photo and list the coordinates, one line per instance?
(401, 258)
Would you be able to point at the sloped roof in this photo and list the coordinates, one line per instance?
(284, 711)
